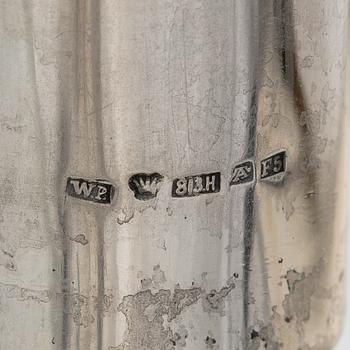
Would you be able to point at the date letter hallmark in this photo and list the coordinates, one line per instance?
(274, 167)
(243, 173)
(98, 191)
(145, 186)
(191, 186)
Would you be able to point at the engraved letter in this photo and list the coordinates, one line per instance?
(210, 183)
(83, 188)
(101, 191)
(274, 167)
(266, 165)
(278, 164)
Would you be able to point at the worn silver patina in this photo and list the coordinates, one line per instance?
(172, 174)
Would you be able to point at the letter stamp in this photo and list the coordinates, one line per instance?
(195, 185)
(98, 191)
(274, 167)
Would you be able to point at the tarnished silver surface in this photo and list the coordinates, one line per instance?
(172, 174)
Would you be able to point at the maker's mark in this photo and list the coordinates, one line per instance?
(98, 191)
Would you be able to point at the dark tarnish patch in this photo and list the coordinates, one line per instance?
(80, 310)
(81, 307)
(210, 342)
(80, 239)
(182, 298)
(7, 261)
(302, 287)
(180, 337)
(267, 337)
(158, 278)
(24, 294)
(144, 313)
(297, 303)
(105, 305)
(264, 335)
(126, 216)
(214, 301)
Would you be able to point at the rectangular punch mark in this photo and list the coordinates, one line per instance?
(101, 192)
(196, 185)
(243, 173)
(274, 167)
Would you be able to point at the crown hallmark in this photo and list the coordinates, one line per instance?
(145, 186)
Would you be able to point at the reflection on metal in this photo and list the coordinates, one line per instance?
(237, 106)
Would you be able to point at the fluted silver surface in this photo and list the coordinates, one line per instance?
(174, 90)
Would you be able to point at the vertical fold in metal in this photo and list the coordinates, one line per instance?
(83, 278)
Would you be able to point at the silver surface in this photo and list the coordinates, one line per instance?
(107, 89)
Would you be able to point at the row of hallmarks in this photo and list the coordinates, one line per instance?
(146, 186)
(272, 168)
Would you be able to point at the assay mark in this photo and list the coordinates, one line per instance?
(98, 191)
(243, 173)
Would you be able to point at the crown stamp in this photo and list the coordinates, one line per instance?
(145, 186)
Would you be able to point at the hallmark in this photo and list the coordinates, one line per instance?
(145, 186)
(98, 191)
(274, 167)
(195, 185)
(243, 173)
